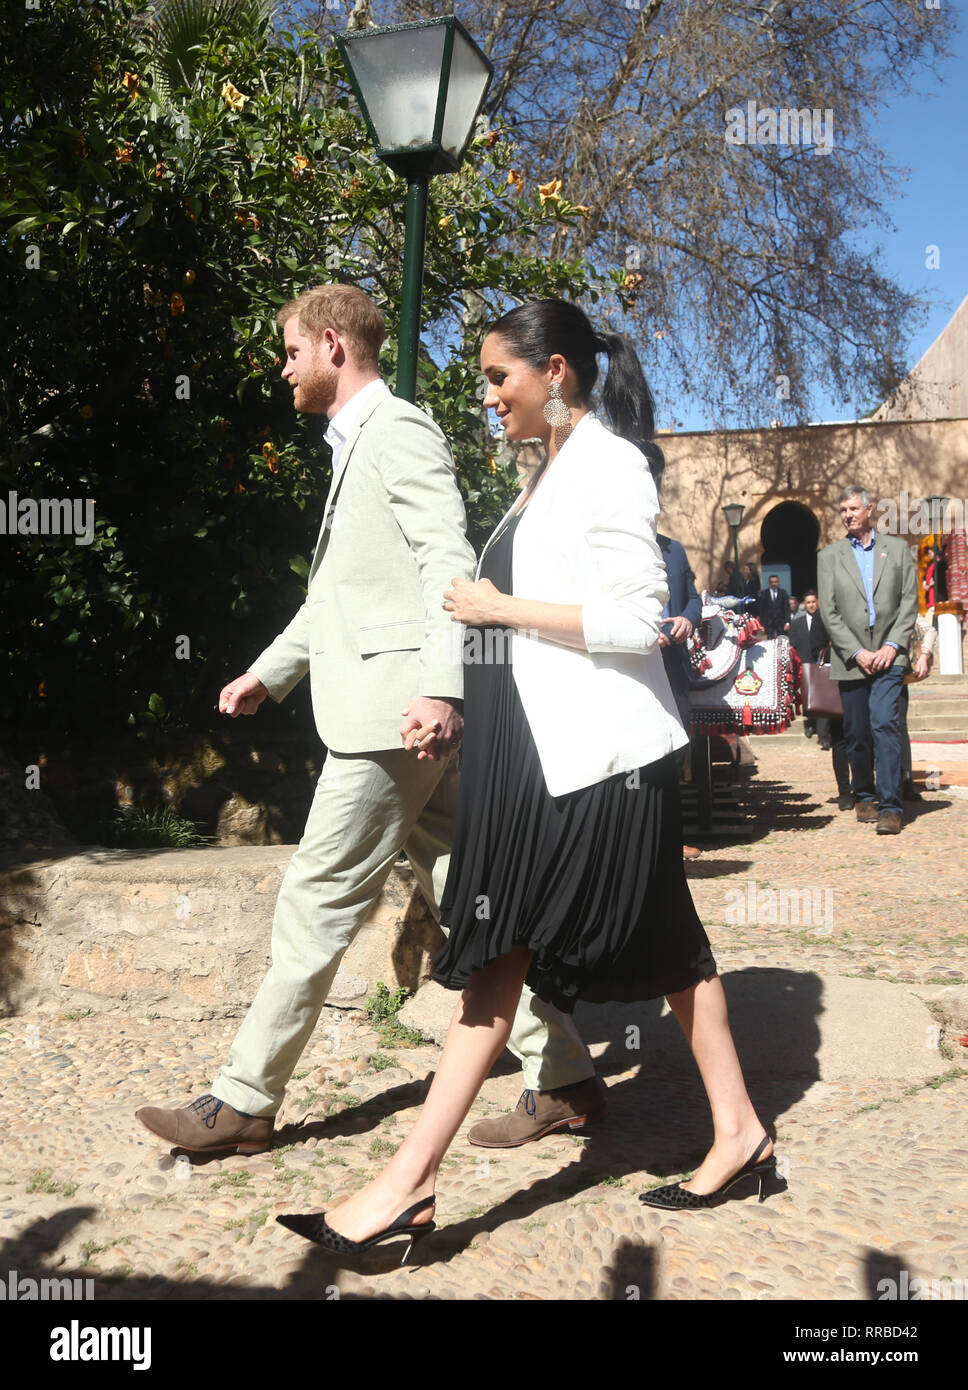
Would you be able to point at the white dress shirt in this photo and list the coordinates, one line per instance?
(340, 427)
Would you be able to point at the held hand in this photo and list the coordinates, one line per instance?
(863, 660)
(432, 727)
(242, 696)
(664, 640)
(475, 603)
(922, 666)
(680, 629)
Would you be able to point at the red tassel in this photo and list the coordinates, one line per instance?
(747, 716)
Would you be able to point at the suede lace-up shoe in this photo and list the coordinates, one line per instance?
(209, 1125)
(541, 1112)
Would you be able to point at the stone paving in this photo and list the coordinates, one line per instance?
(874, 1168)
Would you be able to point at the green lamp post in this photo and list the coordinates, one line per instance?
(420, 87)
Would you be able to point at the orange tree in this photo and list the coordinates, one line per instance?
(149, 232)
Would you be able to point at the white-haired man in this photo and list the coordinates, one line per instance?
(869, 603)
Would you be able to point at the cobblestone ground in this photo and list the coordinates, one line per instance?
(875, 1171)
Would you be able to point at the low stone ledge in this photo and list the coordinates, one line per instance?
(785, 1023)
(182, 933)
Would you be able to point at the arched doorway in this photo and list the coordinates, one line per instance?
(789, 536)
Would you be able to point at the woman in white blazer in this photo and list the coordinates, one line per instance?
(566, 868)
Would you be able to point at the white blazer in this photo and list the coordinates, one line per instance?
(588, 536)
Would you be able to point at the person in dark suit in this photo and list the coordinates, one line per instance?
(751, 581)
(808, 636)
(680, 618)
(810, 639)
(773, 608)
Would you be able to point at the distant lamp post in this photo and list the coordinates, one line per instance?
(734, 519)
(420, 87)
(937, 506)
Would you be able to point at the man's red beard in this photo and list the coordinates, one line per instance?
(317, 389)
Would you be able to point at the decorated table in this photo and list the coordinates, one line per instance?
(741, 682)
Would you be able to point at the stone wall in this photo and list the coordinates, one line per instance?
(807, 464)
(181, 933)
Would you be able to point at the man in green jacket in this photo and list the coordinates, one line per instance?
(385, 664)
(869, 602)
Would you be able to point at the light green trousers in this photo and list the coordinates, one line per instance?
(364, 811)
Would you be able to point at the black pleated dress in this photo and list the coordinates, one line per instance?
(592, 881)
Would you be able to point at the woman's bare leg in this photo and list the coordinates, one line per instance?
(702, 1015)
(478, 1031)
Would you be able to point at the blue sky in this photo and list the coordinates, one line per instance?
(926, 132)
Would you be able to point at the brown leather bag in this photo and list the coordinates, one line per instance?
(820, 695)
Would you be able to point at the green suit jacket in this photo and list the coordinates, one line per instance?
(373, 633)
(843, 602)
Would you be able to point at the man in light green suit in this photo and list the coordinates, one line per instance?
(386, 676)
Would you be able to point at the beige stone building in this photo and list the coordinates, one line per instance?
(789, 479)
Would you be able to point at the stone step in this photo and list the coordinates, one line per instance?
(184, 933)
(939, 707)
(929, 718)
(928, 733)
(923, 720)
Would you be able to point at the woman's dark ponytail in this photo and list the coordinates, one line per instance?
(626, 396)
(537, 330)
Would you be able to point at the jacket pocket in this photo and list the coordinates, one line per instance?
(404, 635)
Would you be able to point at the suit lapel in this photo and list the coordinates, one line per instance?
(350, 445)
(849, 561)
(338, 475)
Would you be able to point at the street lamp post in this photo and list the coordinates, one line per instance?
(937, 506)
(734, 519)
(420, 87)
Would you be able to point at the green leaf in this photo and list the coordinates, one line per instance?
(24, 225)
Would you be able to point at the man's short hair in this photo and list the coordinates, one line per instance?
(855, 491)
(813, 592)
(773, 576)
(343, 308)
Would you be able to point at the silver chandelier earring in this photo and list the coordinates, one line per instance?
(555, 411)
